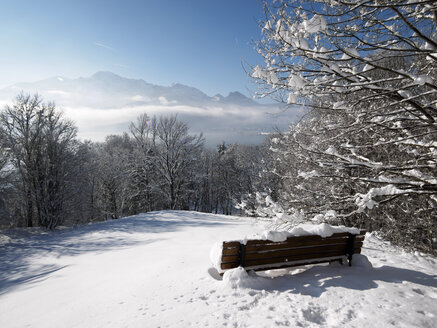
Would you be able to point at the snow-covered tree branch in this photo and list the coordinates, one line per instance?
(367, 71)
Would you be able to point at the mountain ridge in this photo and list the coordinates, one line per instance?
(112, 85)
(106, 103)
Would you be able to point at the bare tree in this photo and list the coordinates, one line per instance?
(142, 169)
(113, 158)
(6, 186)
(41, 146)
(175, 151)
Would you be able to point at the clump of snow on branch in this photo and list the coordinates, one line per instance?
(366, 75)
(364, 201)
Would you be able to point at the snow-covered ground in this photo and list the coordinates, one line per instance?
(151, 270)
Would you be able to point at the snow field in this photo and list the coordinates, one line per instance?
(151, 270)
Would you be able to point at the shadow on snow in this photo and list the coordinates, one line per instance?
(19, 257)
(315, 280)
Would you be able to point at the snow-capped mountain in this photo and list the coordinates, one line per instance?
(106, 89)
(105, 103)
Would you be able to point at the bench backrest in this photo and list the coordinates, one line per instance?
(261, 255)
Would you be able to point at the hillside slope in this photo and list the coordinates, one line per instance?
(151, 270)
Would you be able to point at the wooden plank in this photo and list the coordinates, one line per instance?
(292, 264)
(358, 244)
(257, 262)
(230, 244)
(321, 250)
(229, 251)
(288, 252)
(301, 240)
(301, 243)
(231, 265)
(230, 258)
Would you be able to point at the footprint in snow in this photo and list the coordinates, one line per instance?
(314, 314)
(226, 316)
(418, 291)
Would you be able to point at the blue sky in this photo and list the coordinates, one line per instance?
(196, 42)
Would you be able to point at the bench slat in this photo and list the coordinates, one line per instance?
(231, 265)
(292, 244)
(294, 264)
(230, 251)
(231, 244)
(291, 251)
(230, 258)
(297, 251)
(287, 245)
(358, 244)
(293, 258)
(297, 241)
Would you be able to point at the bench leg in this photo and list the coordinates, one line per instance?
(350, 248)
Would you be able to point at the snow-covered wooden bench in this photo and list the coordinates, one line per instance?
(260, 255)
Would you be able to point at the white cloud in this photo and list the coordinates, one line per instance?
(139, 98)
(90, 118)
(235, 124)
(165, 102)
(219, 123)
(3, 103)
(100, 112)
(59, 93)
